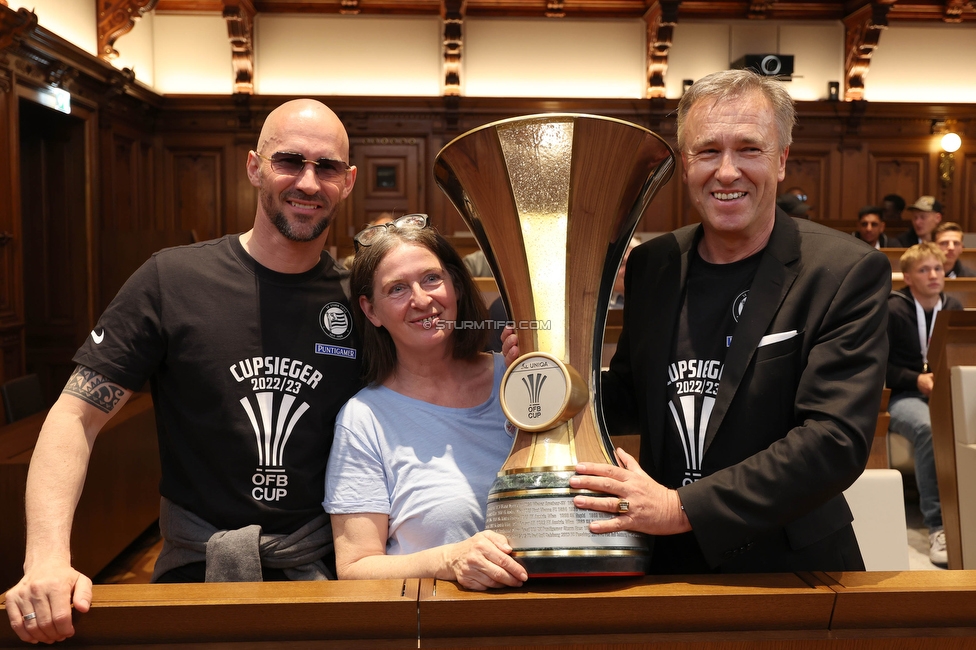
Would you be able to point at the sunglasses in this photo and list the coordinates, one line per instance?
(292, 164)
(369, 235)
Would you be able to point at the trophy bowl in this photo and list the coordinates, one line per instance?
(553, 200)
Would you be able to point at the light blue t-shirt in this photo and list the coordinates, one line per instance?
(428, 467)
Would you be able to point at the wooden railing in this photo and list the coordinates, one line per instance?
(967, 257)
(809, 610)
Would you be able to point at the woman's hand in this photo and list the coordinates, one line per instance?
(483, 561)
(510, 349)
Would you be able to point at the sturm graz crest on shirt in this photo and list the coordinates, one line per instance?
(335, 320)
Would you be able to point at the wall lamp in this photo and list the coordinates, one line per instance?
(950, 144)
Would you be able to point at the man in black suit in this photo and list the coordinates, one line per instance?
(751, 360)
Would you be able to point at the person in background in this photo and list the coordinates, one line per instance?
(793, 205)
(751, 360)
(227, 332)
(871, 227)
(949, 238)
(913, 310)
(379, 220)
(892, 206)
(926, 216)
(417, 450)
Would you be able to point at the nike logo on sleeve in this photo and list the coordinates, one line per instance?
(98, 337)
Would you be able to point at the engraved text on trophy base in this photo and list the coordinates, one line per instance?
(553, 522)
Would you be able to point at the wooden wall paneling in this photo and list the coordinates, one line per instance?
(55, 198)
(127, 205)
(661, 215)
(966, 178)
(11, 254)
(391, 170)
(852, 182)
(194, 185)
(809, 170)
(904, 173)
(242, 197)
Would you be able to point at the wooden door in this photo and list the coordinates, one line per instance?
(55, 199)
(389, 180)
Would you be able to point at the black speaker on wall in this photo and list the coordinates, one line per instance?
(768, 65)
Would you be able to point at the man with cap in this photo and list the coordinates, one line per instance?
(926, 215)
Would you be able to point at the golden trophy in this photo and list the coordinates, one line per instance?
(553, 201)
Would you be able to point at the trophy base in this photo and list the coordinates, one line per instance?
(550, 536)
(560, 565)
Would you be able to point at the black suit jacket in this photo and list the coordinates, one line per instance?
(793, 421)
(961, 270)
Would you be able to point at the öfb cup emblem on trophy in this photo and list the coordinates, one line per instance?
(553, 201)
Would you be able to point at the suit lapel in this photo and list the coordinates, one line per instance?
(773, 280)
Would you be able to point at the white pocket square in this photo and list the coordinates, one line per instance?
(769, 339)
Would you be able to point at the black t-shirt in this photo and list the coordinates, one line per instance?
(248, 369)
(714, 299)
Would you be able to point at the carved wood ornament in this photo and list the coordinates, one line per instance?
(239, 15)
(760, 9)
(15, 26)
(115, 18)
(954, 9)
(863, 28)
(452, 13)
(555, 9)
(661, 19)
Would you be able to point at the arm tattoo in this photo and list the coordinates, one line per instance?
(96, 389)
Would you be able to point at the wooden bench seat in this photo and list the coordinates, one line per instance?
(120, 499)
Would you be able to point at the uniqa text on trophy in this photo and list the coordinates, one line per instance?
(553, 201)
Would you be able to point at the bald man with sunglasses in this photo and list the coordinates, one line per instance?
(248, 344)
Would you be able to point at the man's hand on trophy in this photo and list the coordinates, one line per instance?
(483, 561)
(510, 348)
(640, 503)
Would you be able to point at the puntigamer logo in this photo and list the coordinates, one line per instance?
(335, 320)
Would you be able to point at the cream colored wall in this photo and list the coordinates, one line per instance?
(347, 55)
(191, 54)
(376, 55)
(553, 58)
(72, 20)
(924, 64)
(701, 48)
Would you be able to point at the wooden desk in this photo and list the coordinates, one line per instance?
(120, 499)
(856, 611)
(967, 257)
